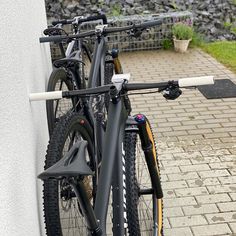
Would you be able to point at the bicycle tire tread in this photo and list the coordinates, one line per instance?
(50, 187)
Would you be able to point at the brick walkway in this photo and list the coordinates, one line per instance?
(196, 141)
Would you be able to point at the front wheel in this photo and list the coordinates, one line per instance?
(144, 210)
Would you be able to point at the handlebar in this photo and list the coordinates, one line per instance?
(60, 38)
(181, 83)
(106, 30)
(82, 20)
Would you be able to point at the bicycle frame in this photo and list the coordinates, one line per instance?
(96, 78)
(111, 149)
(112, 156)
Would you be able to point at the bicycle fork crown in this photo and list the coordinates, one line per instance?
(140, 118)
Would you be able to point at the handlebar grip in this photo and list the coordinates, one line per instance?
(93, 18)
(64, 22)
(149, 24)
(57, 38)
(196, 81)
(45, 96)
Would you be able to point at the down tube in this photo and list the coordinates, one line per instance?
(117, 116)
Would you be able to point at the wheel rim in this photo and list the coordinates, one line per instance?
(147, 203)
(62, 106)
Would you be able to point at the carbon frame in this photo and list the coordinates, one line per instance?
(112, 156)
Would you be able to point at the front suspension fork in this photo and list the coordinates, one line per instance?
(148, 146)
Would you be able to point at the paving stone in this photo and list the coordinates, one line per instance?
(221, 217)
(211, 141)
(224, 145)
(233, 227)
(191, 137)
(233, 196)
(227, 206)
(198, 148)
(221, 197)
(174, 185)
(173, 211)
(189, 168)
(200, 131)
(213, 173)
(215, 152)
(170, 170)
(176, 163)
(169, 194)
(183, 201)
(205, 159)
(228, 180)
(203, 182)
(217, 135)
(166, 224)
(183, 176)
(187, 221)
(210, 230)
(200, 209)
(227, 158)
(223, 165)
(191, 191)
(183, 231)
(187, 155)
(222, 188)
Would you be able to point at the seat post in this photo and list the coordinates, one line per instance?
(85, 205)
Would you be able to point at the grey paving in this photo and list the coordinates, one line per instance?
(196, 141)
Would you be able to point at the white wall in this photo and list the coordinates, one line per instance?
(24, 68)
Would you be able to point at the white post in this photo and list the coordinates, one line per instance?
(24, 68)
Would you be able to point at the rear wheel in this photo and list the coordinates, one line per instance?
(109, 71)
(63, 216)
(64, 79)
(144, 210)
(59, 80)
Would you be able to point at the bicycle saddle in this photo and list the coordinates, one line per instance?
(54, 31)
(71, 165)
(67, 62)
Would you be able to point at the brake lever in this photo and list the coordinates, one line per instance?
(135, 32)
(171, 91)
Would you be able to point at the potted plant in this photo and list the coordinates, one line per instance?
(182, 35)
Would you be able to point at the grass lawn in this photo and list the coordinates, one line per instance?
(224, 52)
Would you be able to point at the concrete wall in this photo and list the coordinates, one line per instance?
(24, 68)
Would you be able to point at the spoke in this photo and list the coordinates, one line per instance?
(57, 101)
(144, 182)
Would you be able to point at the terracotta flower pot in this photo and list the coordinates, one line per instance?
(181, 45)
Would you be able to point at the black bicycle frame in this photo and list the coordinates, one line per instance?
(112, 156)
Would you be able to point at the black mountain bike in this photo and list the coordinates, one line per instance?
(129, 173)
(71, 71)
